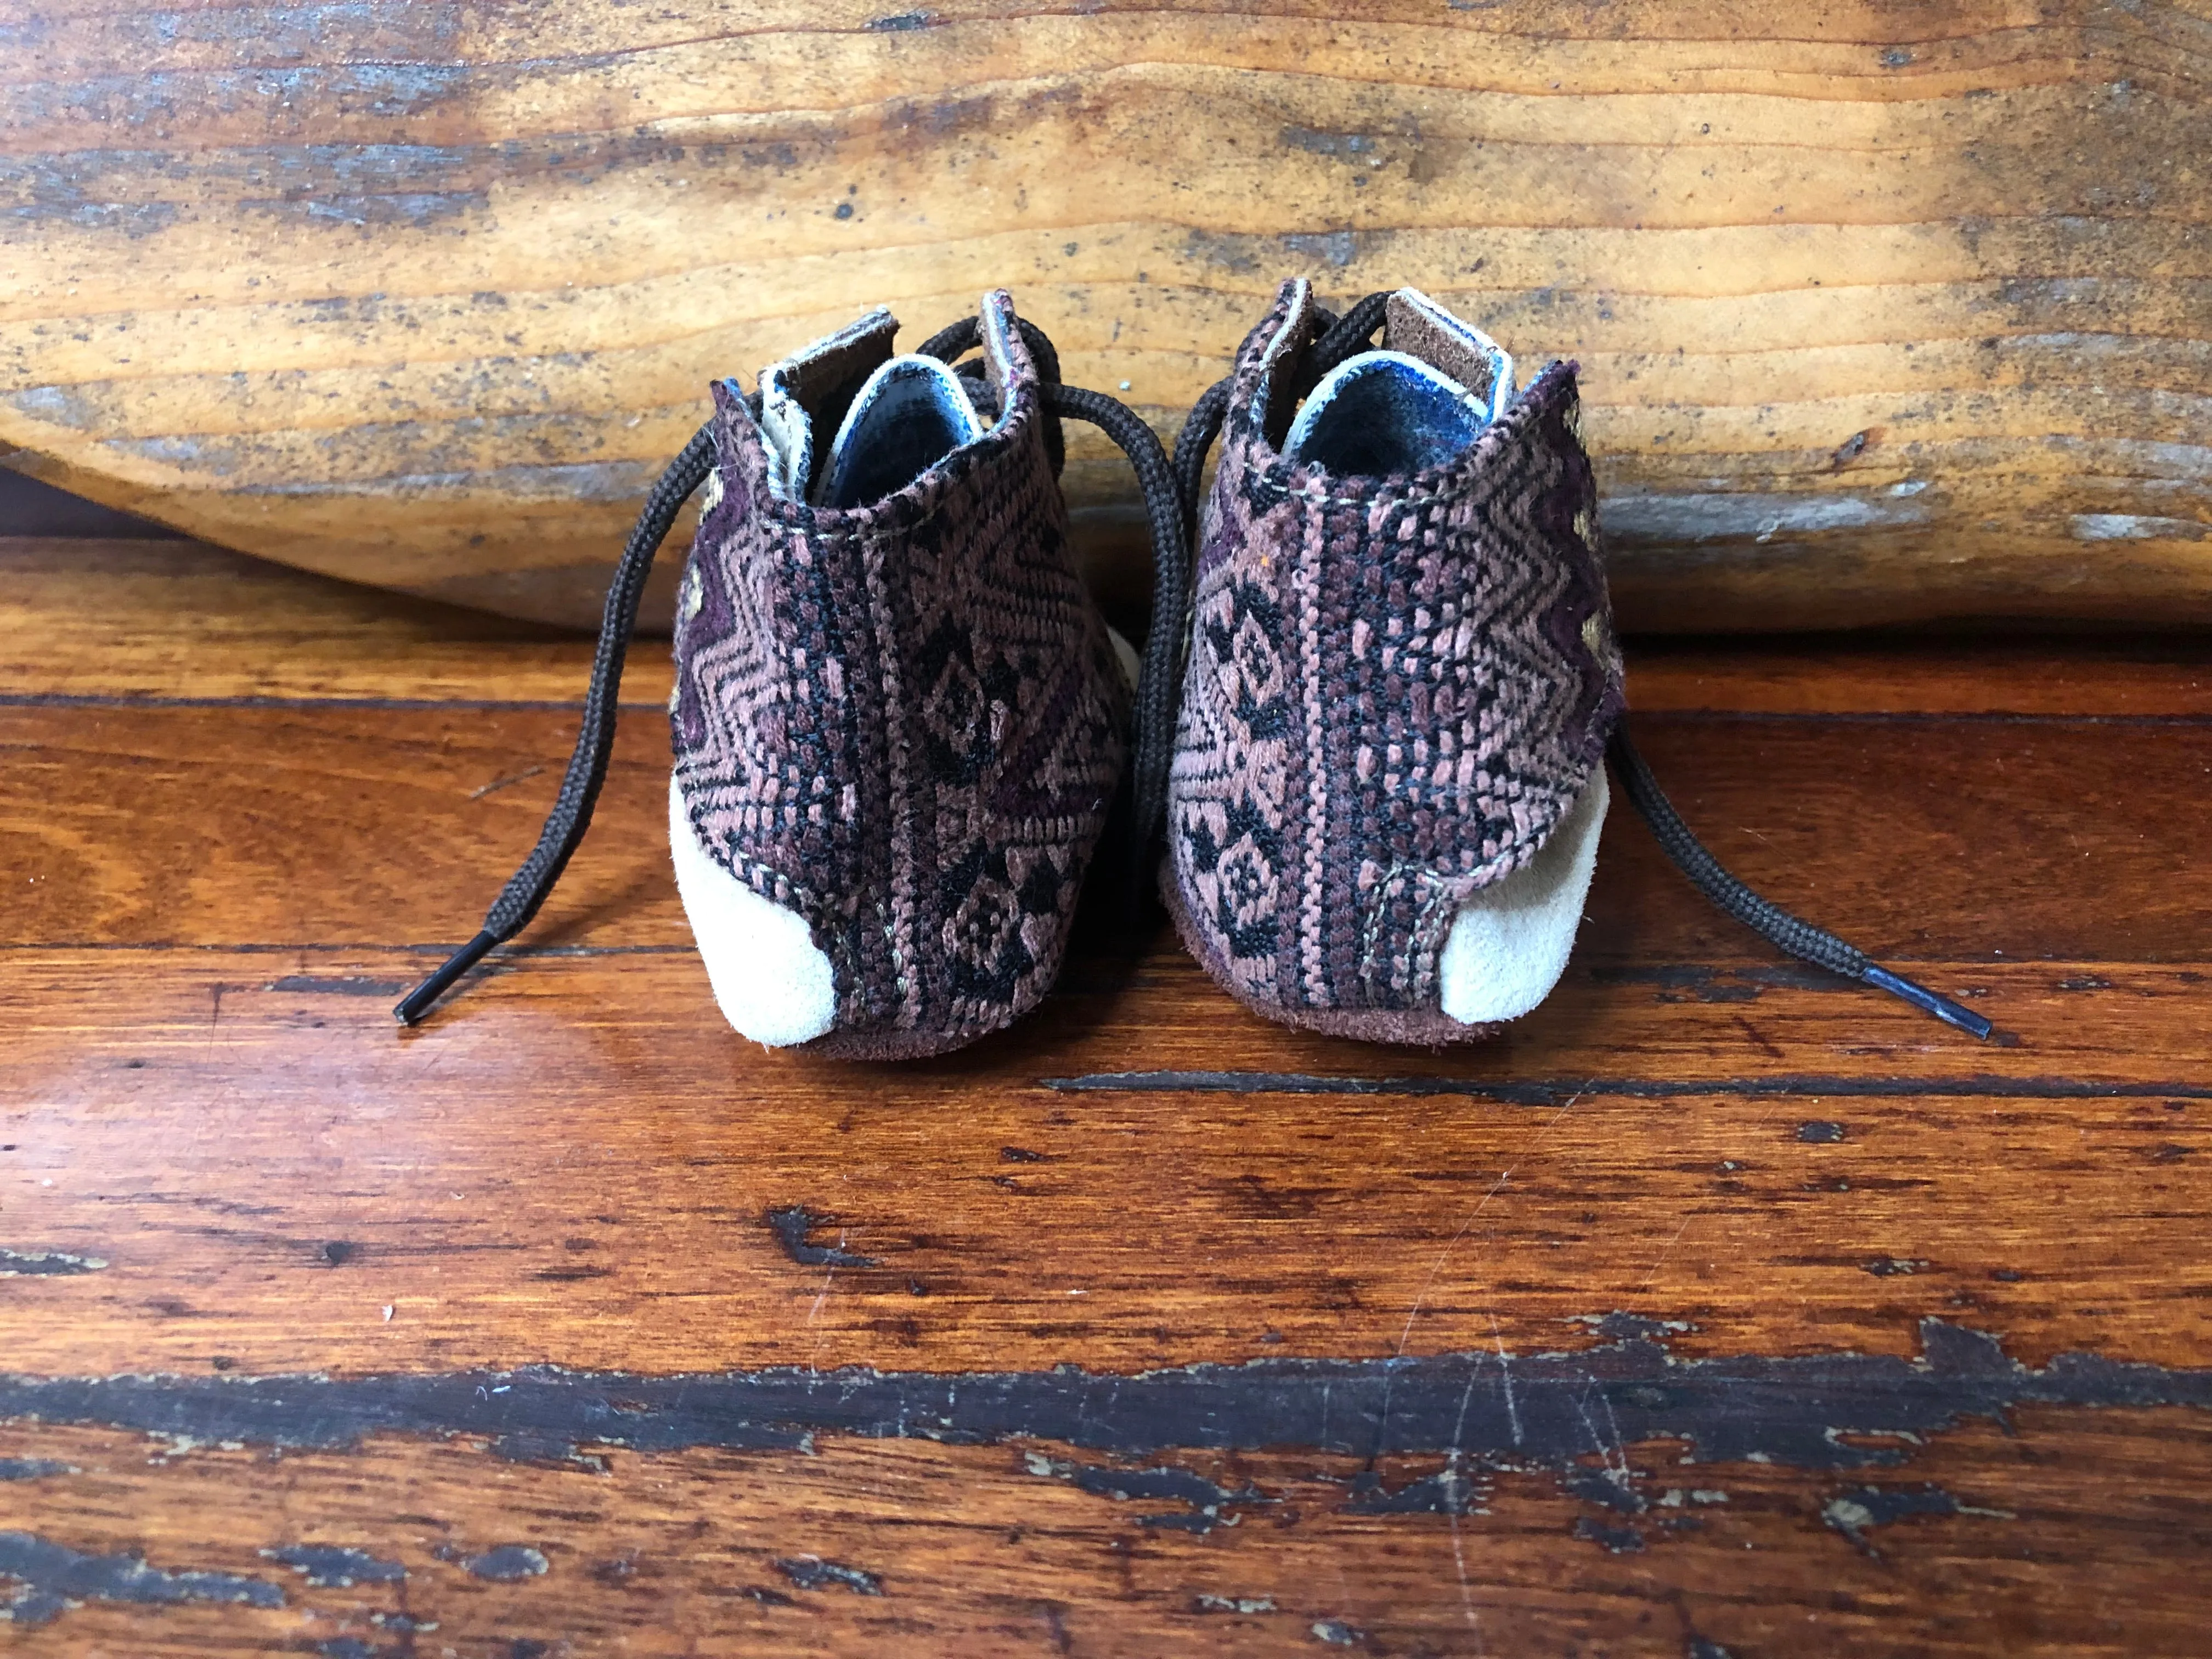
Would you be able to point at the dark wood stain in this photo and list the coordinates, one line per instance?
(1552, 1093)
(48, 1577)
(335, 1564)
(790, 1225)
(810, 1572)
(1548, 1410)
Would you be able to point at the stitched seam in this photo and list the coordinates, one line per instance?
(900, 921)
(754, 872)
(1305, 586)
(1258, 469)
(882, 533)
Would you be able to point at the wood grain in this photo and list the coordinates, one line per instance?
(1885, 312)
(174, 620)
(1719, 1307)
(186, 825)
(2074, 1534)
(177, 621)
(1237, 1198)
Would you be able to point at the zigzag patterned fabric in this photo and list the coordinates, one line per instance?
(1397, 687)
(904, 721)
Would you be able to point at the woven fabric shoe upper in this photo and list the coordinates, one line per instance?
(1398, 688)
(901, 721)
(897, 722)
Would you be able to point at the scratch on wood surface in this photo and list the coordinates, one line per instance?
(1505, 1379)
(498, 784)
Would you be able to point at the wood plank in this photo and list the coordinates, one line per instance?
(2063, 1536)
(1719, 1306)
(264, 1164)
(1949, 358)
(180, 620)
(319, 835)
(2135, 674)
(381, 823)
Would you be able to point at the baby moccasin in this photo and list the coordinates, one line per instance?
(899, 719)
(1388, 781)
(1387, 788)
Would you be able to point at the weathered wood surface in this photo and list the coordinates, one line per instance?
(1718, 1309)
(1886, 310)
(2063, 1531)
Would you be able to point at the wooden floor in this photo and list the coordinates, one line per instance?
(1721, 1309)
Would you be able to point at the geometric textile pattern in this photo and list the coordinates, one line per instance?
(904, 721)
(1396, 689)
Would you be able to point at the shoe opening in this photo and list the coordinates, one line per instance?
(913, 412)
(1382, 412)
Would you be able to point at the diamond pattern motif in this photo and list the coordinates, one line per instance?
(904, 721)
(1397, 688)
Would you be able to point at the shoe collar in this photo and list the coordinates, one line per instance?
(806, 396)
(1413, 324)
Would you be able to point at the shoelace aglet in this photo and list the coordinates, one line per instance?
(416, 1003)
(1921, 997)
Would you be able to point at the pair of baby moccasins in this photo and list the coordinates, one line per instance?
(1365, 744)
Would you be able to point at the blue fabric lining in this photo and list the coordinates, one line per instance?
(1381, 413)
(910, 415)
